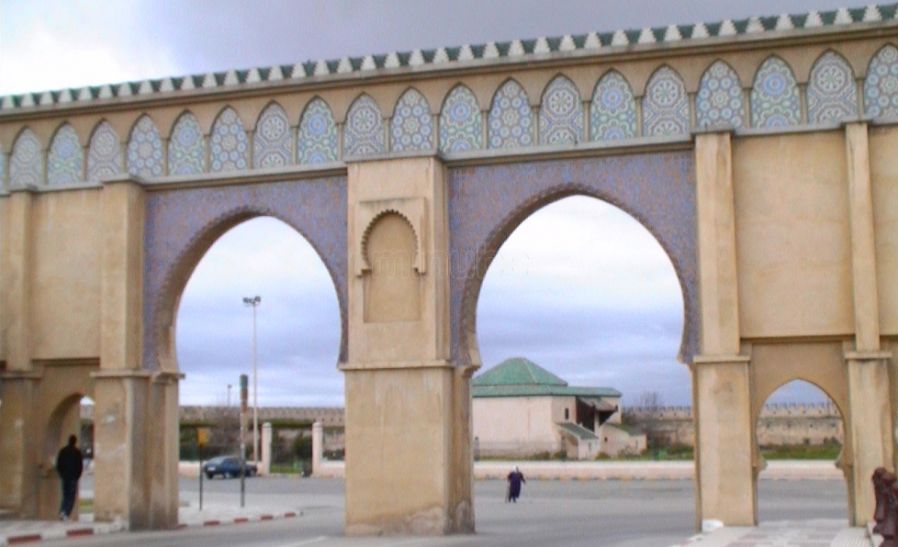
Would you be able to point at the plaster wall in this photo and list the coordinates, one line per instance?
(792, 235)
(884, 179)
(65, 290)
(518, 426)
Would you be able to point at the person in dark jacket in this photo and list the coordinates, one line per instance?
(515, 478)
(69, 465)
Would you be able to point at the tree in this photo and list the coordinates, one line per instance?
(650, 418)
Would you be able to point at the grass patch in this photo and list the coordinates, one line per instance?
(828, 451)
(85, 505)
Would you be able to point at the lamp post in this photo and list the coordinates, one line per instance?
(254, 302)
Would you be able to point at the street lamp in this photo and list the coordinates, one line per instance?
(254, 302)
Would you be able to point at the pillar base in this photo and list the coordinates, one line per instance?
(406, 472)
(723, 457)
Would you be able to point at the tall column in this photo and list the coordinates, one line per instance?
(720, 375)
(317, 447)
(408, 464)
(18, 447)
(136, 422)
(869, 427)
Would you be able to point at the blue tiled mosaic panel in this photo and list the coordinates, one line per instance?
(881, 85)
(104, 156)
(25, 164)
(613, 112)
(832, 92)
(363, 134)
(228, 145)
(561, 113)
(774, 96)
(145, 149)
(65, 160)
(719, 100)
(461, 125)
(273, 140)
(511, 120)
(317, 134)
(665, 107)
(186, 149)
(412, 126)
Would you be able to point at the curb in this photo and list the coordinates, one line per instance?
(95, 530)
(241, 520)
(109, 528)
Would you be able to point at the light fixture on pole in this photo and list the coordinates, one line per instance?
(254, 302)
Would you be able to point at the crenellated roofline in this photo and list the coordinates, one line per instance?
(330, 73)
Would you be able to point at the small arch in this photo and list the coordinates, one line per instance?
(26, 166)
(665, 106)
(272, 139)
(461, 123)
(881, 84)
(510, 120)
(228, 144)
(392, 287)
(560, 113)
(145, 154)
(104, 155)
(186, 146)
(719, 102)
(411, 127)
(366, 266)
(613, 109)
(363, 132)
(65, 158)
(774, 95)
(832, 90)
(317, 134)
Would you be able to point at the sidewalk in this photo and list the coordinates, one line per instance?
(804, 533)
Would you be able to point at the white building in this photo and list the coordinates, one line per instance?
(522, 410)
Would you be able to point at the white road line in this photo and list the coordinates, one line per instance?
(318, 539)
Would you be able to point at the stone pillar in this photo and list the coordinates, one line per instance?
(265, 467)
(18, 383)
(408, 463)
(136, 421)
(720, 376)
(317, 447)
(869, 427)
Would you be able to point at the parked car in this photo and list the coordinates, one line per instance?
(227, 467)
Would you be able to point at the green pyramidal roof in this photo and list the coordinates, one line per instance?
(520, 377)
(517, 371)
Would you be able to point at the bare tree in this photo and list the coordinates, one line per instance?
(651, 406)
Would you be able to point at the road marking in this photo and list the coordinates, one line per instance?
(318, 539)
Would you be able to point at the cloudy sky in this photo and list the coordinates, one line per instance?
(581, 288)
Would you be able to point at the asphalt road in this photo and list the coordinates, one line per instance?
(576, 513)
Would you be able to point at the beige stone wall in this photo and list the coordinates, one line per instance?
(519, 426)
(792, 235)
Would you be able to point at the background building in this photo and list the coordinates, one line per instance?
(522, 410)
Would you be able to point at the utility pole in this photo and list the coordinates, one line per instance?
(254, 303)
(243, 398)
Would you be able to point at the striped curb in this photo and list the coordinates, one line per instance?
(109, 528)
(33, 537)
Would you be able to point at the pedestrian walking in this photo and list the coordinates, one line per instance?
(69, 465)
(515, 479)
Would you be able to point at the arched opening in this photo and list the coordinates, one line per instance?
(799, 439)
(72, 416)
(579, 321)
(297, 329)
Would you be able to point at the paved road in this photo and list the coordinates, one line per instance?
(613, 513)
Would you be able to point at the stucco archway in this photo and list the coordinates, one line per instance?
(487, 203)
